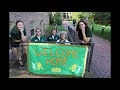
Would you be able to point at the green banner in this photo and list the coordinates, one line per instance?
(45, 58)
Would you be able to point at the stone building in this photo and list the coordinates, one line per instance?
(65, 15)
(32, 20)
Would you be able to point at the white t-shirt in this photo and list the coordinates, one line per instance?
(65, 41)
(38, 37)
(53, 36)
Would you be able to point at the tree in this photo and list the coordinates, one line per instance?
(103, 18)
(82, 15)
(51, 19)
(57, 18)
(75, 15)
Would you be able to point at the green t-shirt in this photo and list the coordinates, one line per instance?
(50, 38)
(35, 39)
(16, 35)
(87, 32)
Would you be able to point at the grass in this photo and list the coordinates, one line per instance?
(48, 30)
(98, 31)
(59, 28)
(70, 22)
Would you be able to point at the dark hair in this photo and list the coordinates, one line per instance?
(86, 25)
(54, 29)
(18, 22)
(37, 29)
(15, 29)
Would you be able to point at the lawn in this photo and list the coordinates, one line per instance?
(48, 30)
(59, 28)
(98, 31)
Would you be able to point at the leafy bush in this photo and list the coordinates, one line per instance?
(51, 19)
(48, 30)
(56, 19)
(98, 31)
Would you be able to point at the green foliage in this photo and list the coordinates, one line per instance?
(106, 35)
(51, 19)
(98, 31)
(75, 15)
(55, 19)
(59, 28)
(103, 18)
(82, 16)
(48, 30)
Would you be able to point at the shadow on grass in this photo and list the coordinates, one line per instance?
(105, 35)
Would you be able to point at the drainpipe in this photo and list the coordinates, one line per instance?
(41, 24)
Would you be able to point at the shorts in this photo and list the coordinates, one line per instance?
(15, 44)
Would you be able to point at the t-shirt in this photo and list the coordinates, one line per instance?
(16, 35)
(63, 42)
(53, 36)
(38, 37)
(50, 38)
(87, 32)
(35, 39)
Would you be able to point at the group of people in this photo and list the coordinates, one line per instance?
(18, 35)
(52, 38)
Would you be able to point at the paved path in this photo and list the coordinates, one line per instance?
(101, 60)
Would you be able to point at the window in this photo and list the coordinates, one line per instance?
(32, 27)
(32, 32)
(11, 25)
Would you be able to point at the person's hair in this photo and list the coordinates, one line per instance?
(63, 32)
(15, 28)
(38, 29)
(86, 25)
(18, 22)
(54, 29)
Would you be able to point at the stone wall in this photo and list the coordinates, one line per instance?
(32, 20)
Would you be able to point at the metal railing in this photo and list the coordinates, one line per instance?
(89, 57)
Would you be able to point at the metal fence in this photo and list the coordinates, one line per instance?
(14, 62)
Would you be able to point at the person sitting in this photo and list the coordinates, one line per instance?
(53, 36)
(38, 36)
(63, 38)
